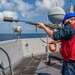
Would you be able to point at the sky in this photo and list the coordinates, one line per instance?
(27, 10)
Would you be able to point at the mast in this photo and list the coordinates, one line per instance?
(71, 9)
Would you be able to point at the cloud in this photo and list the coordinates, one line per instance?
(6, 5)
(45, 5)
(13, 8)
(29, 10)
(8, 14)
(16, 6)
(23, 7)
(30, 14)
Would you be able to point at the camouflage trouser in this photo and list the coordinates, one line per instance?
(68, 68)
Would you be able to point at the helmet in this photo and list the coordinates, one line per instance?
(69, 15)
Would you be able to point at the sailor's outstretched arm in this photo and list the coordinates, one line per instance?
(67, 32)
(48, 31)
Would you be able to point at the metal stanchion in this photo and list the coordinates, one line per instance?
(47, 42)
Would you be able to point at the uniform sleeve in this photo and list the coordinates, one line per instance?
(65, 33)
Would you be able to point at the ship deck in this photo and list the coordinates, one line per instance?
(36, 65)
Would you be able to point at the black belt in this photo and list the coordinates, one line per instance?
(72, 60)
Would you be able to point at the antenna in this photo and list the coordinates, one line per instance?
(70, 3)
(56, 3)
(71, 8)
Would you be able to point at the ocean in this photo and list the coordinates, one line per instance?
(5, 37)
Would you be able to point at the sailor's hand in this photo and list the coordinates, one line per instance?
(40, 25)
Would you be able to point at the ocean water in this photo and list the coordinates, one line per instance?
(5, 37)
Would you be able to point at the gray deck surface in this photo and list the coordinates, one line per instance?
(54, 69)
(37, 66)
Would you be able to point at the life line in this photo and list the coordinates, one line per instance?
(50, 46)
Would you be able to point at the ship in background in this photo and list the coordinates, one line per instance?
(28, 56)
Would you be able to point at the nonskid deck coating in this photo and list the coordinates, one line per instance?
(28, 66)
(37, 66)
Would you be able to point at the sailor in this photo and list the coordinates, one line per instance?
(67, 37)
